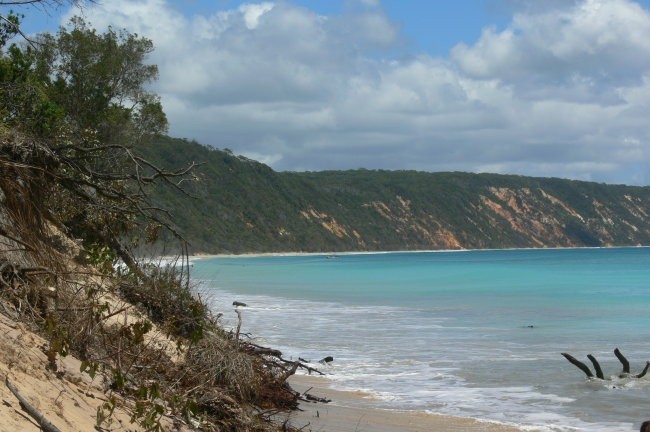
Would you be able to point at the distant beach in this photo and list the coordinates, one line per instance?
(199, 256)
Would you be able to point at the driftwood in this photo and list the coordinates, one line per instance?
(45, 424)
(311, 398)
(599, 372)
(580, 365)
(644, 371)
(623, 360)
(300, 364)
(597, 368)
(238, 326)
(308, 397)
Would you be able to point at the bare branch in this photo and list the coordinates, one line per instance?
(597, 368)
(580, 365)
(623, 360)
(17, 29)
(45, 424)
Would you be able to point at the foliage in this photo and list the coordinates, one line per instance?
(79, 98)
(167, 300)
(244, 206)
(9, 26)
(98, 81)
(73, 117)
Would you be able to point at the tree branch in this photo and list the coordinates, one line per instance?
(45, 424)
(623, 360)
(580, 365)
(599, 371)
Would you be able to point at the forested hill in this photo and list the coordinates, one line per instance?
(245, 206)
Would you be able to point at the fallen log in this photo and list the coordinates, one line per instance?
(312, 398)
(45, 424)
(265, 351)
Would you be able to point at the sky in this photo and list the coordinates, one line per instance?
(556, 88)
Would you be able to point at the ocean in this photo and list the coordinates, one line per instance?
(468, 333)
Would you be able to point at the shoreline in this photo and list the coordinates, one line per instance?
(200, 256)
(352, 411)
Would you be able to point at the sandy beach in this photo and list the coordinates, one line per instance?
(349, 412)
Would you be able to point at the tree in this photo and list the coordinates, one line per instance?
(99, 81)
(10, 21)
(9, 27)
(79, 98)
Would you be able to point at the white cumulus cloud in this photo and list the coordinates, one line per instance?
(253, 12)
(563, 90)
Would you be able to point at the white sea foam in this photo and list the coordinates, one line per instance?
(450, 359)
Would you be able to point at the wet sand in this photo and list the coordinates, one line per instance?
(348, 412)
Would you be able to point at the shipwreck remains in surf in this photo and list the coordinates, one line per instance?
(625, 373)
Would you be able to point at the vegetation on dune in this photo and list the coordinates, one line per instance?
(75, 201)
(245, 206)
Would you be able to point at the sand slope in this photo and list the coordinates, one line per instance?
(67, 398)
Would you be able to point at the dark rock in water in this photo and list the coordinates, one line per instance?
(327, 359)
(529, 326)
(236, 303)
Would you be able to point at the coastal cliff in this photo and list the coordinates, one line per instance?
(241, 205)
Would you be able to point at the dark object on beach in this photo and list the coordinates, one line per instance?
(626, 366)
(580, 365)
(307, 397)
(599, 372)
(311, 398)
(644, 371)
(623, 360)
(236, 303)
(645, 426)
(327, 359)
(597, 368)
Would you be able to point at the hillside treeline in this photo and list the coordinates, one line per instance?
(239, 205)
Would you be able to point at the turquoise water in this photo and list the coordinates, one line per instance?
(450, 332)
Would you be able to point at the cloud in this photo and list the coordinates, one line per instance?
(253, 12)
(563, 90)
(590, 45)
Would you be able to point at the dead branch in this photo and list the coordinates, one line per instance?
(623, 360)
(580, 365)
(260, 350)
(597, 368)
(644, 371)
(238, 326)
(285, 376)
(265, 351)
(311, 398)
(45, 424)
(599, 372)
